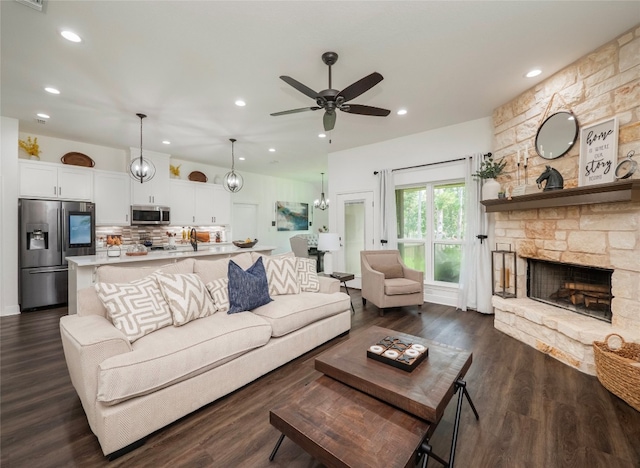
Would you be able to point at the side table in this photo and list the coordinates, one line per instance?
(343, 278)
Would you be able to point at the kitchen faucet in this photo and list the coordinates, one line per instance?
(193, 237)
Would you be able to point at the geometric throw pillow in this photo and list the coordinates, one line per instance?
(187, 297)
(307, 275)
(219, 290)
(391, 271)
(247, 289)
(281, 275)
(137, 308)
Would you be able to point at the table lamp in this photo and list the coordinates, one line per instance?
(328, 242)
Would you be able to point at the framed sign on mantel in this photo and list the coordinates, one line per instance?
(598, 152)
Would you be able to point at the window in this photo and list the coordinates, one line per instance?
(431, 229)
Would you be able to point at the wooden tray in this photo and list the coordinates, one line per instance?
(401, 362)
(77, 159)
(136, 254)
(197, 176)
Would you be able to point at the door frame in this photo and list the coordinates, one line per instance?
(367, 197)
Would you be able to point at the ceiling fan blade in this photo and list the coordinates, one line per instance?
(295, 111)
(329, 121)
(366, 110)
(360, 86)
(300, 87)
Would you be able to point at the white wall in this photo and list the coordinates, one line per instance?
(352, 170)
(9, 217)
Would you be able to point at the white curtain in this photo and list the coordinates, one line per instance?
(475, 269)
(387, 204)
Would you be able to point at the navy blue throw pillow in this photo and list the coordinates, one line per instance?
(247, 289)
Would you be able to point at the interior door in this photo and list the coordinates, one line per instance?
(355, 227)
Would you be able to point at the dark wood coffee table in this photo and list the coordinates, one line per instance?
(344, 417)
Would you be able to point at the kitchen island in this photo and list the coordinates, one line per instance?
(82, 269)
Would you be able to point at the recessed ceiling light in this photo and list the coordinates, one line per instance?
(43, 116)
(272, 150)
(322, 135)
(166, 142)
(51, 90)
(533, 73)
(241, 158)
(240, 103)
(70, 36)
(402, 112)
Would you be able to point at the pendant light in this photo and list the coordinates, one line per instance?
(142, 169)
(233, 181)
(323, 203)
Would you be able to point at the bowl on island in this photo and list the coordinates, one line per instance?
(245, 244)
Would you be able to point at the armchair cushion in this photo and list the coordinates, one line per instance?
(395, 286)
(391, 271)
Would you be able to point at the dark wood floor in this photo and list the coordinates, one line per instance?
(534, 411)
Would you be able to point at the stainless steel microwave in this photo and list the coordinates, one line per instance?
(150, 214)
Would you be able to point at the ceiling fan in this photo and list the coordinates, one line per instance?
(332, 99)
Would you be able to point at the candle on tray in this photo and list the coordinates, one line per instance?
(518, 157)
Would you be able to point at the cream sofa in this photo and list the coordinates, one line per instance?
(129, 390)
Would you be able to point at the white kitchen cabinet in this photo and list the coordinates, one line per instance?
(155, 191)
(111, 194)
(49, 180)
(221, 205)
(193, 204)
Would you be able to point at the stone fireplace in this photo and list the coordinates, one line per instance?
(603, 238)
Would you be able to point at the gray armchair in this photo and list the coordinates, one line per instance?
(388, 282)
(299, 246)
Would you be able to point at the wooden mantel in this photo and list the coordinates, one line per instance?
(621, 191)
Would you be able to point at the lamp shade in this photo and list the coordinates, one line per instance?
(328, 242)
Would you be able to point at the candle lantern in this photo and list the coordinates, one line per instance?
(503, 271)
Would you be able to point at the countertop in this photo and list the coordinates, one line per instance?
(203, 251)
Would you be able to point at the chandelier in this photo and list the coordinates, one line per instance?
(322, 203)
(142, 169)
(233, 181)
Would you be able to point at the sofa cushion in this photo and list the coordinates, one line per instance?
(137, 308)
(219, 290)
(247, 289)
(174, 354)
(211, 270)
(307, 274)
(281, 275)
(187, 297)
(292, 312)
(396, 286)
(120, 274)
(391, 271)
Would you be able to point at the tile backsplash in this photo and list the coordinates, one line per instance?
(157, 234)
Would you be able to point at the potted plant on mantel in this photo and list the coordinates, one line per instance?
(489, 170)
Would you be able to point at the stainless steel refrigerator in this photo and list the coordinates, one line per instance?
(49, 232)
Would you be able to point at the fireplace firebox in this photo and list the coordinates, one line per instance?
(581, 289)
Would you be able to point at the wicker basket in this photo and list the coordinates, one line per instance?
(618, 370)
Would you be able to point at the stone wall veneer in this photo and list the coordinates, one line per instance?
(600, 85)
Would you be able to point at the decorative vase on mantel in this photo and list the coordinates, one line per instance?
(490, 189)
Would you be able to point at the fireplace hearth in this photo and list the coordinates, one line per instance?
(581, 289)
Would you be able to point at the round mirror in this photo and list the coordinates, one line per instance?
(557, 134)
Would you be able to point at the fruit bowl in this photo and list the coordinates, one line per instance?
(243, 244)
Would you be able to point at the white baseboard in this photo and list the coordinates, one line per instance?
(10, 310)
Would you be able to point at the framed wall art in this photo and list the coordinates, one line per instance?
(598, 152)
(292, 216)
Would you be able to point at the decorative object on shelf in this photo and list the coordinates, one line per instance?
(490, 189)
(557, 135)
(31, 147)
(292, 216)
(553, 177)
(140, 168)
(197, 176)
(504, 274)
(489, 170)
(233, 182)
(626, 167)
(328, 242)
(77, 159)
(245, 244)
(322, 203)
(598, 152)
(174, 171)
